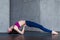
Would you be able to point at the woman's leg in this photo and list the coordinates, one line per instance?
(33, 24)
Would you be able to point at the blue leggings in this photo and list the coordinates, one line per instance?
(33, 24)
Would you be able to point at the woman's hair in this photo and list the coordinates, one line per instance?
(13, 32)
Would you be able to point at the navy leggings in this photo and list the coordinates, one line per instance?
(33, 24)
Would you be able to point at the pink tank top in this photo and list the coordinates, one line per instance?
(17, 24)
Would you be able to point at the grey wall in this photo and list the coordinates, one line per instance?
(50, 14)
(45, 12)
(25, 10)
(4, 15)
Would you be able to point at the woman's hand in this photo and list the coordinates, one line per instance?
(9, 30)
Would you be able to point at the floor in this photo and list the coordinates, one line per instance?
(29, 35)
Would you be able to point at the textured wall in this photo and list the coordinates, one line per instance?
(26, 10)
(45, 12)
(50, 14)
(4, 15)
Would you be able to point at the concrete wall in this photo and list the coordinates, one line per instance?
(45, 12)
(50, 14)
(25, 10)
(4, 15)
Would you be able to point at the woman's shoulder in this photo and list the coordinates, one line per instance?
(21, 20)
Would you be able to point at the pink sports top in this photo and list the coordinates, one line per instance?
(17, 24)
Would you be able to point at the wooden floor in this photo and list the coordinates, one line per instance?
(29, 36)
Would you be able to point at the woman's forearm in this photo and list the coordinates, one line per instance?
(23, 29)
(21, 32)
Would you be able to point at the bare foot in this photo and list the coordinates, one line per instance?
(54, 32)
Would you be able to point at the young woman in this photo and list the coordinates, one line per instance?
(23, 23)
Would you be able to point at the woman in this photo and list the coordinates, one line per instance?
(23, 23)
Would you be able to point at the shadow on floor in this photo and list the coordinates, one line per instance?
(29, 35)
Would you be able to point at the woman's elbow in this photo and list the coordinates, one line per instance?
(22, 33)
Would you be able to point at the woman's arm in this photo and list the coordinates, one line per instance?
(10, 29)
(21, 32)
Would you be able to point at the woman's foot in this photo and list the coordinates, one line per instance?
(54, 32)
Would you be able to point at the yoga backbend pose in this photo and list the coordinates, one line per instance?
(23, 23)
